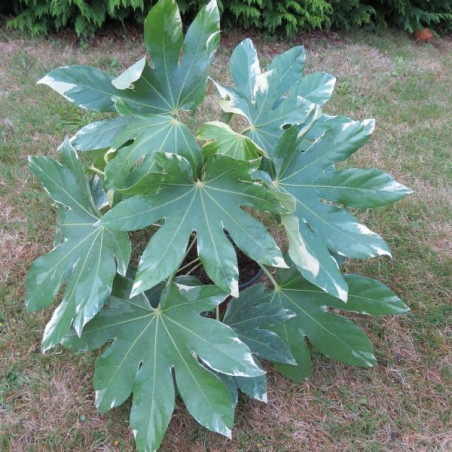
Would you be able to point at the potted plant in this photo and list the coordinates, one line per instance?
(147, 170)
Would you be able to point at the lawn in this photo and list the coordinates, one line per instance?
(47, 401)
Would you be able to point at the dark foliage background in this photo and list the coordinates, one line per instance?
(286, 17)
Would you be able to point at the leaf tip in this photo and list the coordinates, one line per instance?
(46, 345)
(227, 432)
(405, 191)
(42, 80)
(369, 124)
(234, 289)
(341, 293)
(136, 288)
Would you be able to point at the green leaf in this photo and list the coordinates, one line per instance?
(362, 188)
(266, 125)
(166, 85)
(98, 193)
(290, 67)
(130, 75)
(208, 206)
(332, 335)
(304, 175)
(316, 87)
(271, 100)
(84, 86)
(224, 140)
(259, 96)
(163, 35)
(150, 345)
(85, 257)
(99, 134)
(318, 228)
(249, 316)
(254, 387)
(148, 134)
(322, 123)
(312, 258)
(178, 76)
(232, 387)
(245, 68)
(371, 297)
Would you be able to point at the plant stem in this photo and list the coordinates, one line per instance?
(193, 269)
(170, 279)
(194, 261)
(190, 247)
(96, 170)
(270, 276)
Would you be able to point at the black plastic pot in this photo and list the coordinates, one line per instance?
(251, 281)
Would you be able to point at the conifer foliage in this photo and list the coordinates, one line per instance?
(286, 17)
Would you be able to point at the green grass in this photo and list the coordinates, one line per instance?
(46, 401)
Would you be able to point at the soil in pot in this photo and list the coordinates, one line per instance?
(249, 273)
(248, 268)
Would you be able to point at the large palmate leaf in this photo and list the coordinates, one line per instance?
(308, 176)
(85, 257)
(146, 135)
(249, 317)
(175, 80)
(208, 206)
(274, 99)
(142, 135)
(331, 334)
(178, 75)
(153, 345)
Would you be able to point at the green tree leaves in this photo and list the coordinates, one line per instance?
(151, 346)
(151, 174)
(322, 226)
(140, 140)
(221, 138)
(208, 206)
(274, 99)
(249, 317)
(84, 86)
(177, 77)
(165, 85)
(332, 335)
(87, 258)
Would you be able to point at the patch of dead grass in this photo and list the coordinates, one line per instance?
(57, 402)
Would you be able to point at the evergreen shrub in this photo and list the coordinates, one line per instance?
(284, 17)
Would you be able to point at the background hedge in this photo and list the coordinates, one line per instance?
(289, 17)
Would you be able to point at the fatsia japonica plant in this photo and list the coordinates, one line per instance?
(196, 196)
